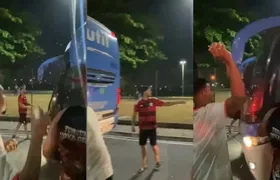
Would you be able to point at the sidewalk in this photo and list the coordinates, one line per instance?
(163, 133)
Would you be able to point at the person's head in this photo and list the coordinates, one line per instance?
(203, 94)
(146, 91)
(22, 89)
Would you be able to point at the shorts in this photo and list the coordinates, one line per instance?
(23, 118)
(150, 134)
(110, 178)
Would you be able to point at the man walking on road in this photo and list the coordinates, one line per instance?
(211, 156)
(23, 106)
(146, 109)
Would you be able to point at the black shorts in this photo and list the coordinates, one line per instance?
(110, 178)
(23, 118)
(150, 134)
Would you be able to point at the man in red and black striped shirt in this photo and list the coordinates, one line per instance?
(146, 109)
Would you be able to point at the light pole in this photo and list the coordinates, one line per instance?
(183, 63)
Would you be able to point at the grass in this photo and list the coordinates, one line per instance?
(41, 100)
(172, 114)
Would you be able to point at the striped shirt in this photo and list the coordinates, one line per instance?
(146, 109)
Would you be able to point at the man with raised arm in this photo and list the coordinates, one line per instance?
(211, 156)
(146, 109)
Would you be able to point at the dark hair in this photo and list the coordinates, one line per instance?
(22, 86)
(199, 84)
(143, 89)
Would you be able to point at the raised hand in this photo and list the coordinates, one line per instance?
(219, 52)
(39, 122)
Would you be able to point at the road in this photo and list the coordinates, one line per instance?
(176, 160)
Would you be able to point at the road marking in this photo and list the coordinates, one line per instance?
(136, 140)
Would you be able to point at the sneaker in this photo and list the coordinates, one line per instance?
(142, 169)
(158, 165)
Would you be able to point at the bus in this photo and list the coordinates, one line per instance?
(103, 69)
(262, 81)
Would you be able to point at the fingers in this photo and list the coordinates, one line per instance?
(217, 49)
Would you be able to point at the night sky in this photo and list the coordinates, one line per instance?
(175, 18)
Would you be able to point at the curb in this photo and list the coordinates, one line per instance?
(167, 138)
(161, 125)
(9, 119)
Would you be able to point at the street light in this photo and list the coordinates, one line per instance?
(183, 63)
(213, 77)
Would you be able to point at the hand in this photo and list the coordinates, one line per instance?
(39, 122)
(220, 53)
(11, 145)
(133, 129)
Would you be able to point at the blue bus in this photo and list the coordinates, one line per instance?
(103, 68)
(259, 72)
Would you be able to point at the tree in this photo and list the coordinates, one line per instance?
(138, 35)
(219, 21)
(17, 38)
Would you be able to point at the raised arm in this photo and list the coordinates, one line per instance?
(31, 169)
(50, 146)
(238, 96)
(158, 102)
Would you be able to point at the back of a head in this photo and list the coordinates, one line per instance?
(199, 84)
(72, 141)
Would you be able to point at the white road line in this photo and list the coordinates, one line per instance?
(160, 141)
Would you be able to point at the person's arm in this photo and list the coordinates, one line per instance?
(134, 114)
(238, 96)
(51, 144)
(31, 169)
(172, 103)
(160, 103)
(21, 105)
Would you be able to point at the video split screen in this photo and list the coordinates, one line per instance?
(139, 90)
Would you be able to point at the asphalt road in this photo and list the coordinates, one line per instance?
(176, 160)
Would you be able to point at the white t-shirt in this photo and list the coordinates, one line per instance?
(211, 156)
(99, 164)
(7, 172)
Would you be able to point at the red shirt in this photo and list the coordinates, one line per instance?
(147, 112)
(22, 100)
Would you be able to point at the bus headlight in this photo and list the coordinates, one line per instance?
(249, 141)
